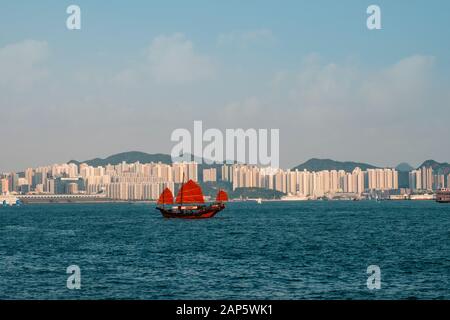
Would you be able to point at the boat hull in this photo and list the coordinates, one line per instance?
(204, 212)
(443, 196)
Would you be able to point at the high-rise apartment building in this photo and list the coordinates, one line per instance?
(415, 180)
(210, 175)
(5, 185)
(382, 179)
(29, 174)
(427, 178)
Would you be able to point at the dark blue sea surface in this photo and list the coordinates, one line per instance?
(276, 250)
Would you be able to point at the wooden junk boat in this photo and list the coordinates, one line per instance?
(189, 203)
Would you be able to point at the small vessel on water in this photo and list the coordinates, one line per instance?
(190, 203)
(443, 196)
(9, 200)
(294, 197)
(426, 196)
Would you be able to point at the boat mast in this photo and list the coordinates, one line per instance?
(182, 183)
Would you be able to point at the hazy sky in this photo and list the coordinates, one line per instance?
(137, 70)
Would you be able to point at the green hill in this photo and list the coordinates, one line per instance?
(404, 167)
(255, 193)
(129, 157)
(438, 167)
(328, 164)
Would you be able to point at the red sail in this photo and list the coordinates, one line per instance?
(166, 197)
(190, 192)
(221, 196)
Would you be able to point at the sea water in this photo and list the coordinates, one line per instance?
(273, 250)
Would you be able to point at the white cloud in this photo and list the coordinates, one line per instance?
(345, 111)
(402, 86)
(405, 86)
(173, 60)
(243, 110)
(350, 112)
(21, 64)
(246, 38)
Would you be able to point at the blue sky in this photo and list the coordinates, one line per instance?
(305, 66)
(336, 29)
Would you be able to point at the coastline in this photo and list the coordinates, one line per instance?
(109, 201)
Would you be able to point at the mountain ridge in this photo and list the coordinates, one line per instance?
(129, 156)
(438, 167)
(404, 167)
(313, 164)
(316, 164)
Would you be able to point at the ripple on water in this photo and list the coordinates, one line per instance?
(307, 250)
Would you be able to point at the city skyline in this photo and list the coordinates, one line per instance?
(133, 74)
(394, 166)
(207, 154)
(135, 181)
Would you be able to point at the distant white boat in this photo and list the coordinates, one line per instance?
(257, 200)
(294, 198)
(9, 200)
(427, 196)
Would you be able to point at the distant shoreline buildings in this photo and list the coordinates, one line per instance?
(426, 179)
(138, 181)
(310, 183)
